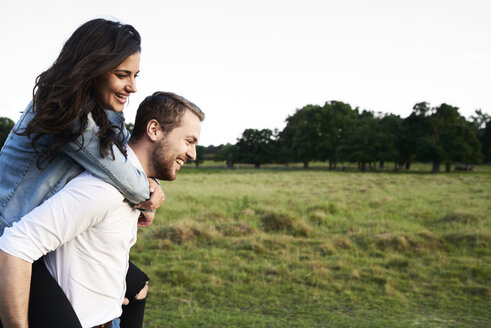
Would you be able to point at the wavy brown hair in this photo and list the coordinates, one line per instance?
(64, 94)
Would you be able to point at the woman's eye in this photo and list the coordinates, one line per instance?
(121, 76)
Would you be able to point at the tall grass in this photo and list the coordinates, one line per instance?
(295, 248)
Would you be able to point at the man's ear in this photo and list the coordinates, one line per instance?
(153, 130)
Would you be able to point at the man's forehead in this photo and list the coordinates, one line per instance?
(190, 125)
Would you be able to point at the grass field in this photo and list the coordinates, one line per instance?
(313, 248)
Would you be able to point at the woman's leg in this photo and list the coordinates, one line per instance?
(48, 304)
(136, 287)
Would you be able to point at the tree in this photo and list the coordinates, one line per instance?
(482, 124)
(283, 151)
(227, 153)
(485, 139)
(442, 135)
(338, 121)
(413, 129)
(6, 125)
(457, 137)
(460, 143)
(360, 145)
(314, 133)
(200, 155)
(211, 152)
(256, 147)
(388, 136)
(302, 134)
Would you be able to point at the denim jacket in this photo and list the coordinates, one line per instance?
(23, 186)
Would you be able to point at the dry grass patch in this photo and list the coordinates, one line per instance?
(462, 218)
(184, 231)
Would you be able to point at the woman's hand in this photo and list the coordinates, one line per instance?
(149, 206)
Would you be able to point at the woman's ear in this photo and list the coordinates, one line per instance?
(153, 130)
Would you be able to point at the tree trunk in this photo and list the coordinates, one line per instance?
(363, 166)
(305, 165)
(396, 166)
(436, 166)
(230, 162)
(448, 166)
(381, 165)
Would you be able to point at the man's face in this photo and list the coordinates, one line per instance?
(176, 147)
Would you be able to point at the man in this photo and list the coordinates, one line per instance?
(88, 226)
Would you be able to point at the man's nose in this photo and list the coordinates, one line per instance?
(192, 153)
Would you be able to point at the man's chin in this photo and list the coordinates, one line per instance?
(167, 175)
(172, 176)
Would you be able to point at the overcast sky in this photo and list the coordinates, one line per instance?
(250, 64)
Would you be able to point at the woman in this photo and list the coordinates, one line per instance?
(75, 122)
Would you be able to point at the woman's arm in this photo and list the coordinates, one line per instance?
(119, 172)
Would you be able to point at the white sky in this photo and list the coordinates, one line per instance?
(251, 63)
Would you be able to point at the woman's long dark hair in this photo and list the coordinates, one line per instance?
(65, 93)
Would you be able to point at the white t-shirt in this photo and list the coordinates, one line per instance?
(87, 228)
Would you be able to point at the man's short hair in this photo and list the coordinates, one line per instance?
(165, 107)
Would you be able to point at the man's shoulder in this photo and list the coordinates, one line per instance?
(94, 187)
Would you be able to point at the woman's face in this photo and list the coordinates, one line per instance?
(114, 87)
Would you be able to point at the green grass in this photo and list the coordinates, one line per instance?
(296, 248)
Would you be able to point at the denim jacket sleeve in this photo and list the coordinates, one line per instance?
(119, 172)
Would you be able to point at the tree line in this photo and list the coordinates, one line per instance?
(337, 133)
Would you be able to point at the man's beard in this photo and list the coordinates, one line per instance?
(163, 161)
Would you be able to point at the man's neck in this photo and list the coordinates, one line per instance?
(143, 154)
